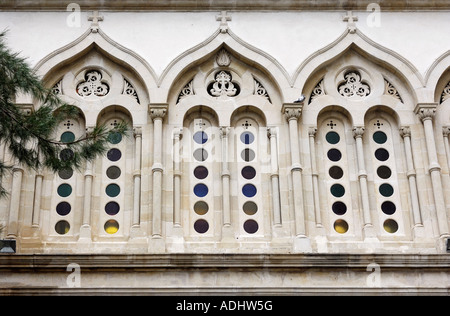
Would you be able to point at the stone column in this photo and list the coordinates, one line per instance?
(292, 112)
(315, 175)
(16, 190)
(37, 199)
(368, 229)
(226, 209)
(157, 113)
(137, 177)
(85, 229)
(405, 132)
(274, 175)
(445, 132)
(426, 112)
(177, 134)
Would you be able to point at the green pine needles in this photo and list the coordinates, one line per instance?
(29, 136)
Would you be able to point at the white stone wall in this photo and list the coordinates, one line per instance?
(172, 59)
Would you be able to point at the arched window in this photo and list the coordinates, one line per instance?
(114, 180)
(250, 157)
(334, 133)
(66, 201)
(200, 150)
(381, 142)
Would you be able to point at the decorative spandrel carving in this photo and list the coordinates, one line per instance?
(353, 86)
(128, 89)
(318, 91)
(57, 88)
(93, 85)
(223, 86)
(188, 90)
(446, 93)
(260, 90)
(389, 89)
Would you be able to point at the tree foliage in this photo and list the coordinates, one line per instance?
(30, 137)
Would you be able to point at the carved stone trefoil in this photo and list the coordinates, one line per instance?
(93, 85)
(353, 86)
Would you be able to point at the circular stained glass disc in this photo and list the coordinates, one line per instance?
(112, 208)
(249, 190)
(67, 137)
(64, 190)
(201, 172)
(379, 137)
(200, 190)
(201, 226)
(251, 226)
(111, 226)
(200, 137)
(201, 208)
(62, 227)
(112, 190)
(114, 154)
(63, 208)
(247, 137)
(332, 138)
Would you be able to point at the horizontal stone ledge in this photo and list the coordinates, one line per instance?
(224, 291)
(215, 5)
(224, 261)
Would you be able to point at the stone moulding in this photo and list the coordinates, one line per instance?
(252, 261)
(209, 5)
(254, 274)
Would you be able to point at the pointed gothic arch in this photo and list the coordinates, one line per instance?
(108, 47)
(380, 55)
(246, 53)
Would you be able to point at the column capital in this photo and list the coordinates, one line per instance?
(426, 111)
(177, 132)
(312, 131)
(271, 131)
(137, 131)
(358, 131)
(405, 131)
(292, 110)
(157, 110)
(224, 131)
(446, 130)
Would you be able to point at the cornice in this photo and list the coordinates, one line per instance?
(229, 5)
(224, 261)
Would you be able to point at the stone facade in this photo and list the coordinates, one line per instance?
(272, 145)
